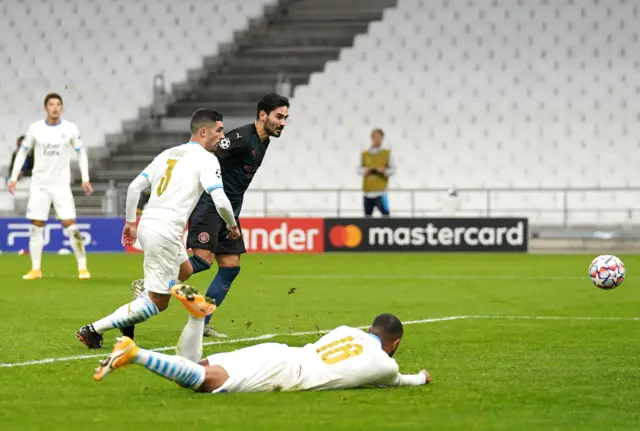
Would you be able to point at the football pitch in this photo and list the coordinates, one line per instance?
(513, 342)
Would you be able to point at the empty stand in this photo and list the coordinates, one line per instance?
(100, 59)
(477, 94)
(482, 94)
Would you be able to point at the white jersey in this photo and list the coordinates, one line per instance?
(53, 147)
(345, 358)
(178, 176)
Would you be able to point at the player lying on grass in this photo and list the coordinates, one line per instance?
(342, 359)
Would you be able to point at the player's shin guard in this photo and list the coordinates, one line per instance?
(36, 244)
(129, 314)
(221, 284)
(176, 368)
(77, 244)
(190, 342)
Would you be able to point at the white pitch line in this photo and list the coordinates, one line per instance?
(420, 277)
(603, 318)
(317, 332)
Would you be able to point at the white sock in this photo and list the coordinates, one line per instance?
(36, 244)
(190, 342)
(129, 314)
(75, 239)
(171, 367)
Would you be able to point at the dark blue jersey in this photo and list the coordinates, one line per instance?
(240, 154)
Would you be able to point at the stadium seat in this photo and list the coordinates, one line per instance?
(102, 63)
(487, 94)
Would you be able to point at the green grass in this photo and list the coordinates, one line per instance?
(489, 374)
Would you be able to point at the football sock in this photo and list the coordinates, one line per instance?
(199, 264)
(77, 245)
(36, 244)
(129, 314)
(190, 342)
(171, 367)
(220, 285)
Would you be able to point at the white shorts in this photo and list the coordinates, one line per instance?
(41, 197)
(264, 367)
(162, 259)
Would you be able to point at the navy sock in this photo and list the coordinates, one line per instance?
(199, 264)
(220, 285)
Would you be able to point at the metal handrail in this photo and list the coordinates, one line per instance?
(488, 209)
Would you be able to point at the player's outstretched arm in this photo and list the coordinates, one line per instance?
(396, 379)
(422, 378)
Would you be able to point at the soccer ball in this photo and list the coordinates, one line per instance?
(607, 272)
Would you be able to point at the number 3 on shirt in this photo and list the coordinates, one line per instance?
(164, 181)
(339, 351)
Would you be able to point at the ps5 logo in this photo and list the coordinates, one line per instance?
(22, 230)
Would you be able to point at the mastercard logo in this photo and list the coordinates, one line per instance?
(349, 236)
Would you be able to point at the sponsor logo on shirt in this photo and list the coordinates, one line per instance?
(50, 149)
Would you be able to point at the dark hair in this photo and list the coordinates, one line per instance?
(203, 117)
(378, 131)
(52, 96)
(387, 326)
(20, 139)
(270, 102)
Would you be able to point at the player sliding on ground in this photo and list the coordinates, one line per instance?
(342, 359)
(177, 178)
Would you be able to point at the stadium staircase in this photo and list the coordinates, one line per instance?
(293, 40)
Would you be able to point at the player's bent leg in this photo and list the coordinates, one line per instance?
(162, 259)
(228, 270)
(186, 271)
(129, 314)
(36, 244)
(160, 300)
(77, 245)
(137, 289)
(200, 261)
(193, 265)
(190, 342)
(180, 370)
(202, 238)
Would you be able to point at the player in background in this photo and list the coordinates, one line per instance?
(177, 178)
(53, 140)
(342, 359)
(240, 155)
